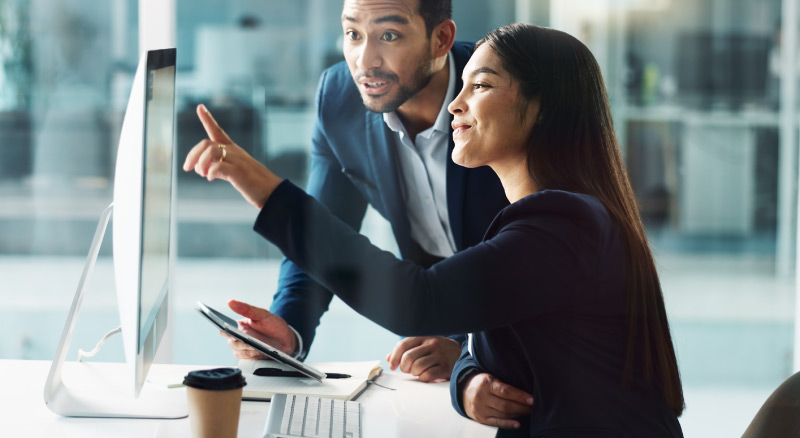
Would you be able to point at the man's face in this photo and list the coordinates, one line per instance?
(387, 50)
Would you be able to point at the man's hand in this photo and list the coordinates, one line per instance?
(264, 326)
(429, 358)
(490, 401)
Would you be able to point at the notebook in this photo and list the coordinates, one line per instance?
(262, 388)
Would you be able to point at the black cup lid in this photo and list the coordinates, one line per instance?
(217, 379)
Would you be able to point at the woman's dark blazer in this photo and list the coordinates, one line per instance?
(543, 294)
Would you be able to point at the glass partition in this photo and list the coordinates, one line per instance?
(66, 68)
(697, 90)
(705, 113)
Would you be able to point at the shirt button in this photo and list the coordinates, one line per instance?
(428, 201)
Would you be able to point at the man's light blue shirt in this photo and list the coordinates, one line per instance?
(423, 171)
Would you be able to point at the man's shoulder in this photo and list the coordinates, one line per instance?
(337, 82)
(337, 94)
(463, 47)
(461, 51)
(337, 72)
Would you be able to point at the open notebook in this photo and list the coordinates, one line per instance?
(262, 388)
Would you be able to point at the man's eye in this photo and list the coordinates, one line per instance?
(353, 35)
(478, 86)
(390, 36)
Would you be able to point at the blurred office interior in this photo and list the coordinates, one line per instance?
(704, 94)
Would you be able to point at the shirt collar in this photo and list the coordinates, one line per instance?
(442, 123)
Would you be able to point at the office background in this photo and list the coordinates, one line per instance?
(704, 95)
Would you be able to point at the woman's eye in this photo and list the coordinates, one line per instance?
(390, 36)
(478, 86)
(353, 35)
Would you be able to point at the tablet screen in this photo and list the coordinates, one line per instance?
(231, 327)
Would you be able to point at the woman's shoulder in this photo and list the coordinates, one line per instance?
(563, 203)
(556, 208)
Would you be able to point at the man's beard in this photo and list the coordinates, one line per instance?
(422, 77)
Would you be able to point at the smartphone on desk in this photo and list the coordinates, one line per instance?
(231, 327)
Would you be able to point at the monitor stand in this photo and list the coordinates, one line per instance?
(97, 398)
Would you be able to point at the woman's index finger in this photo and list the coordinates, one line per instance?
(215, 133)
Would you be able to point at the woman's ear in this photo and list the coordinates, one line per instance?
(443, 37)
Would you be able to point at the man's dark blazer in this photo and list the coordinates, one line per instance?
(353, 163)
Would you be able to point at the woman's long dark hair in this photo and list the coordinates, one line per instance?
(573, 147)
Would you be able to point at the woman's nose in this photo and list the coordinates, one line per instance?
(457, 105)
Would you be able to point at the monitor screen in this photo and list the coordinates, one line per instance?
(156, 187)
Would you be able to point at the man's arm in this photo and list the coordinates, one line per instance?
(300, 300)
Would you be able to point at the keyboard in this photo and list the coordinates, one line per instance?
(293, 416)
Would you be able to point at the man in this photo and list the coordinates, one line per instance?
(383, 137)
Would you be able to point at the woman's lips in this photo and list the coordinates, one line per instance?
(459, 128)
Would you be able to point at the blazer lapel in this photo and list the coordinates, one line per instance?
(381, 151)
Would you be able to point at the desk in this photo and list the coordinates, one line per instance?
(415, 410)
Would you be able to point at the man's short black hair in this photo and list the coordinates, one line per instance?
(434, 12)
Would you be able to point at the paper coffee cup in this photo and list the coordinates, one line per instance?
(215, 398)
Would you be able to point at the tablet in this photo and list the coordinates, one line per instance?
(231, 327)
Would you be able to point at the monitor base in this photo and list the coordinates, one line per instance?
(94, 390)
(98, 395)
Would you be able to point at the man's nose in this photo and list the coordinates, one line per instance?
(369, 57)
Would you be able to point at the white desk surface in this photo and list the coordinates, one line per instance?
(415, 409)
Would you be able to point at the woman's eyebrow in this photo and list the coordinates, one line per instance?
(480, 70)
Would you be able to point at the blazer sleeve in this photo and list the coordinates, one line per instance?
(464, 367)
(300, 300)
(527, 268)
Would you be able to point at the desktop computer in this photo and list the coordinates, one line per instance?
(142, 210)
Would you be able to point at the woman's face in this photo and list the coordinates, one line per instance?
(487, 126)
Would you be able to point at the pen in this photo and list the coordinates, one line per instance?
(337, 376)
(277, 372)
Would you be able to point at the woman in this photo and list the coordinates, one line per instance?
(562, 296)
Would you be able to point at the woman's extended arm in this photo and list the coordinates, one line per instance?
(524, 270)
(533, 263)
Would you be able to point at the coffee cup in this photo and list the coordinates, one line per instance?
(215, 399)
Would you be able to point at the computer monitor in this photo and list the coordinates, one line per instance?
(142, 210)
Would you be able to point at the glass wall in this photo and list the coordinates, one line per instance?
(66, 68)
(704, 110)
(699, 95)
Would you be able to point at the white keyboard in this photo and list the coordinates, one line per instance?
(292, 416)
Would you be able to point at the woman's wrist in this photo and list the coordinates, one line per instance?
(463, 383)
(257, 185)
(271, 183)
